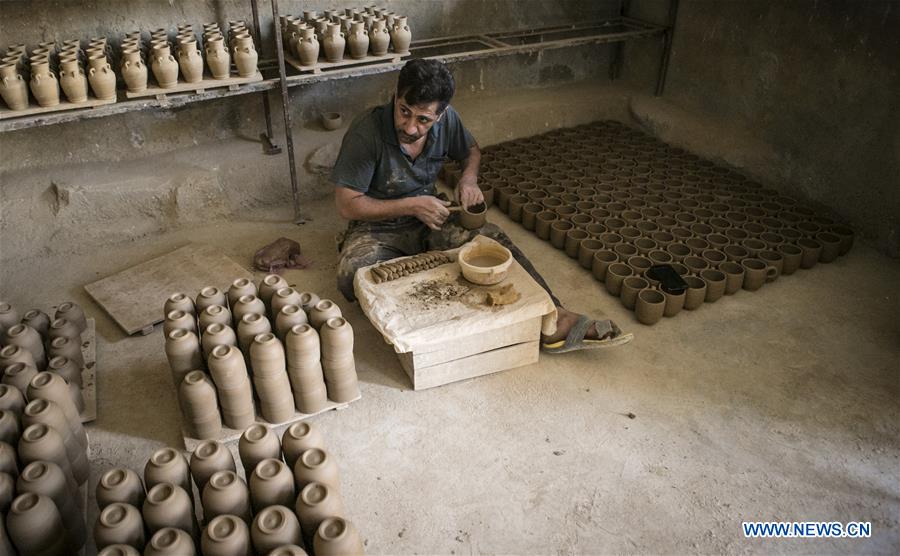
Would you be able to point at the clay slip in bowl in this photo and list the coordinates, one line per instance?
(485, 264)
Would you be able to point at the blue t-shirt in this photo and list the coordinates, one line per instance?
(372, 162)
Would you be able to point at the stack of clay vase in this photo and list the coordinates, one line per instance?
(352, 33)
(218, 58)
(253, 350)
(43, 446)
(243, 50)
(14, 77)
(55, 74)
(621, 202)
(132, 63)
(285, 498)
(163, 64)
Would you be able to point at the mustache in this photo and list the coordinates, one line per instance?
(408, 136)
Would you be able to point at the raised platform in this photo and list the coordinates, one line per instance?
(89, 372)
(64, 105)
(227, 435)
(232, 83)
(319, 67)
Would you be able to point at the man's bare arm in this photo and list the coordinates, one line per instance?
(353, 205)
(467, 191)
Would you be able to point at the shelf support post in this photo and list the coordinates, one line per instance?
(286, 110)
(666, 48)
(267, 138)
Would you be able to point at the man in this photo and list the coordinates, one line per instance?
(385, 185)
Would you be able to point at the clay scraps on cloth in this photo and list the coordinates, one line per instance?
(280, 254)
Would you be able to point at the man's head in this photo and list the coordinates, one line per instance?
(424, 90)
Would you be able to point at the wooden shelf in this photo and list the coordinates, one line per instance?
(449, 49)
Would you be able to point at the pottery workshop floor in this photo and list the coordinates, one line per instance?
(781, 405)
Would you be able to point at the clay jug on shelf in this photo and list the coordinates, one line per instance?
(190, 61)
(12, 86)
(379, 38)
(401, 35)
(164, 66)
(44, 85)
(103, 82)
(245, 58)
(307, 47)
(133, 69)
(73, 81)
(358, 40)
(334, 43)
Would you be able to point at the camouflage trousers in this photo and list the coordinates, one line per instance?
(366, 243)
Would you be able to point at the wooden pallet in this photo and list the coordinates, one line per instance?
(319, 67)
(134, 297)
(32, 110)
(233, 83)
(89, 372)
(227, 435)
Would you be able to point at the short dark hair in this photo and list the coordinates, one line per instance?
(424, 82)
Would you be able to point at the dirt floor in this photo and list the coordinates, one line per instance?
(777, 405)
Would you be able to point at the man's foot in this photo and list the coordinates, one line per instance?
(576, 332)
(566, 319)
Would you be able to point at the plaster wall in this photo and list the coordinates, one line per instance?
(810, 88)
(124, 177)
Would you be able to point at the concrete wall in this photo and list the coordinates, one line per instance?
(123, 177)
(814, 84)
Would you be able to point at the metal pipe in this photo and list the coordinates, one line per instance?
(667, 48)
(615, 66)
(267, 139)
(286, 109)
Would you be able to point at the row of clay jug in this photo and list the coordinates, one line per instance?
(44, 83)
(336, 34)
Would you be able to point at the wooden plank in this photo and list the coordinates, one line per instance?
(484, 341)
(63, 106)
(134, 297)
(89, 372)
(390, 57)
(197, 88)
(227, 435)
(473, 366)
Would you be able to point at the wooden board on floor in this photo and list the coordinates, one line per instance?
(480, 364)
(390, 57)
(134, 297)
(227, 435)
(207, 82)
(89, 372)
(34, 109)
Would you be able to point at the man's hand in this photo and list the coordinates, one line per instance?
(430, 210)
(468, 193)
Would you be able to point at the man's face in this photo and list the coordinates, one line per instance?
(413, 122)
